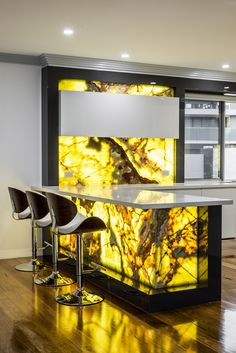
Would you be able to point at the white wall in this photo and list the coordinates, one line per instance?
(20, 149)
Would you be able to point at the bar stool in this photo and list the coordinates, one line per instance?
(39, 205)
(40, 215)
(21, 210)
(67, 220)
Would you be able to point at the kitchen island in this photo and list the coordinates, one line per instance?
(160, 251)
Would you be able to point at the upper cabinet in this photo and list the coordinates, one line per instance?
(118, 115)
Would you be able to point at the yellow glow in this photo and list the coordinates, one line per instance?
(156, 248)
(97, 86)
(108, 329)
(115, 160)
(73, 85)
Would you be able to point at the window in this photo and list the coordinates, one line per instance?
(202, 139)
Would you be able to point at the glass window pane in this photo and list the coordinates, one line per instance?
(202, 152)
(230, 141)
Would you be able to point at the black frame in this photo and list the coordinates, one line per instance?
(222, 140)
(50, 108)
(50, 132)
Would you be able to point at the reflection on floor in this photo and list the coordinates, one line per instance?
(31, 321)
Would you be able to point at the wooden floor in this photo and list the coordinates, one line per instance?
(31, 321)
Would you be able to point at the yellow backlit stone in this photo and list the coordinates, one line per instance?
(156, 248)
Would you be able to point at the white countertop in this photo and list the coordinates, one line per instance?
(133, 196)
(193, 184)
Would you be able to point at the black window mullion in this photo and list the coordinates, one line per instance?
(222, 140)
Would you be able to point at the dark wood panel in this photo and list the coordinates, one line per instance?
(31, 321)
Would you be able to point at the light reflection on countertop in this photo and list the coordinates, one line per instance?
(190, 184)
(134, 197)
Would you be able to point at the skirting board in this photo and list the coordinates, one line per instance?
(15, 253)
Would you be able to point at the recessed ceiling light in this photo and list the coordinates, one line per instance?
(226, 87)
(225, 66)
(68, 32)
(153, 83)
(125, 55)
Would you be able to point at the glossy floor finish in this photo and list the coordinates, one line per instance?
(31, 320)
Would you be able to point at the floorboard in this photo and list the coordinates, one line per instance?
(31, 321)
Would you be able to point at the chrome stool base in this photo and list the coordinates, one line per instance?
(54, 280)
(31, 266)
(78, 298)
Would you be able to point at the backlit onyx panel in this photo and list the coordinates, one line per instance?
(111, 87)
(86, 160)
(163, 248)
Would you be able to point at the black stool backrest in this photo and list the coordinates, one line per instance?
(38, 204)
(18, 200)
(64, 210)
(92, 224)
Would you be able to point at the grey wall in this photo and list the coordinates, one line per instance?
(20, 149)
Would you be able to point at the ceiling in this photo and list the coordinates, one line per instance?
(187, 33)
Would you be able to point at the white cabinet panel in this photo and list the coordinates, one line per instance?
(118, 115)
(194, 166)
(228, 212)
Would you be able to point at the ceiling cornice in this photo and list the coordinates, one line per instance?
(117, 66)
(133, 67)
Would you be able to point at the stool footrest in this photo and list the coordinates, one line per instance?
(46, 246)
(62, 258)
(98, 266)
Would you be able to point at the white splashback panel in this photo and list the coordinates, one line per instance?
(118, 115)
